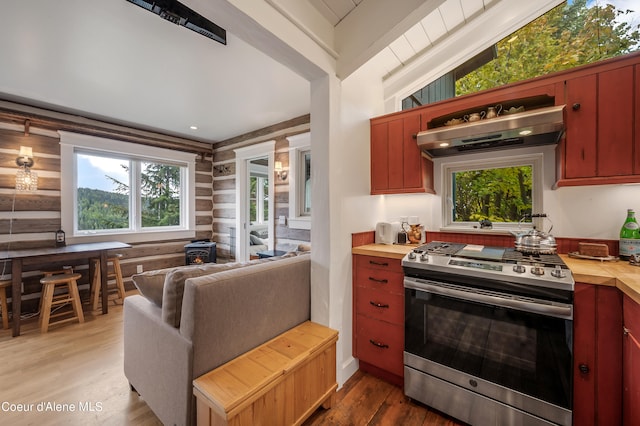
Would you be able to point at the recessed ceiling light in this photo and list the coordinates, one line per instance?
(525, 132)
(443, 144)
(193, 127)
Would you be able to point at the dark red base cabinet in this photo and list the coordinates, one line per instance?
(597, 374)
(378, 316)
(631, 362)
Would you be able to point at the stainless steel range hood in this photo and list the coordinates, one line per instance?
(539, 126)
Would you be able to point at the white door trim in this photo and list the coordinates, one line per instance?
(243, 156)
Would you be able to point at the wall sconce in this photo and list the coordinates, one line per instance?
(26, 180)
(280, 172)
(221, 169)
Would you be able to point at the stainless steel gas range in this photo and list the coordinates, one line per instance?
(488, 334)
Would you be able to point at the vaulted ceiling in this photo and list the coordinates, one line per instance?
(113, 60)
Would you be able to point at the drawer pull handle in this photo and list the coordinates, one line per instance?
(382, 281)
(373, 262)
(378, 344)
(378, 305)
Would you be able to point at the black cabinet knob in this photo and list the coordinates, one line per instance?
(575, 106)
(584, 368)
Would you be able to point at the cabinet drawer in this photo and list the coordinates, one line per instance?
(381, 344)
(392, 282)
(380, 263)
(380, 305)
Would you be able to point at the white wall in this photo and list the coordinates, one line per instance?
(590, 212)
(354, 210)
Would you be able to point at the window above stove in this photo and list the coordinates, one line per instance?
(498, 189)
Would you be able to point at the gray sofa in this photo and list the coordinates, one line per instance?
(190, 320)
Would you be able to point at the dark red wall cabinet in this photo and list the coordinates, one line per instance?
(599, 126)
(580, 121)
(397, 164)
(602, 121)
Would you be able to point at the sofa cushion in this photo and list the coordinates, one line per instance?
(174, 288)
(150, 284)
(229, 313)
(174, 284)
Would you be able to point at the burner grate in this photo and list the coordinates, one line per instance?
(510, 256)
(550, 260)
(440, 247)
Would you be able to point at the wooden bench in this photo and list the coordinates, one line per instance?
(280, 382)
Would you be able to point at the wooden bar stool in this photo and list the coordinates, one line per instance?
(64, 270)
(3, 303)
(114, 272)
(50, 300)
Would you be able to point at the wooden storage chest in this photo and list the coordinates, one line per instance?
(280, 382)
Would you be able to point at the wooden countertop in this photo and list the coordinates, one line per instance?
(395, 251)
(615, 274)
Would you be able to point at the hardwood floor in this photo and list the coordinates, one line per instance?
(43, 377)
(78, 366)
(367, 400)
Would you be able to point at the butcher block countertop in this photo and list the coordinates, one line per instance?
(615, 274)
(395, 251)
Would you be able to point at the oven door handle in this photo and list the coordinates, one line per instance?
(490, 298)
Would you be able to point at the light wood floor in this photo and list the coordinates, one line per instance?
(72, 364)
(79, 367)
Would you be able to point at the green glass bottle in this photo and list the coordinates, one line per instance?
(629, 236)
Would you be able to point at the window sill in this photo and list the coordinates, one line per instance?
(485, 231)
(133, 237)
(300, 223)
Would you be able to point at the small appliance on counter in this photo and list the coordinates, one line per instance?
(387, 232)
(415, 234)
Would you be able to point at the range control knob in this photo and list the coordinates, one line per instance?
(519, 268)
(424, 257)
(412, 255)
(537, 270)
(558, 272)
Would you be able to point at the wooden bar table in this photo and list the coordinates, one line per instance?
(38, 256)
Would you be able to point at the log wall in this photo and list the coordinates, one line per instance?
(29, 220)
(224, 184)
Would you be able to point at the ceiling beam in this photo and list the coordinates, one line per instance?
(372, 26)
(265, 28)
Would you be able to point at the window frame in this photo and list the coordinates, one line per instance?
(261, 175)
(72, 143)
(298, 144)
(302, 188)
(535, 160)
